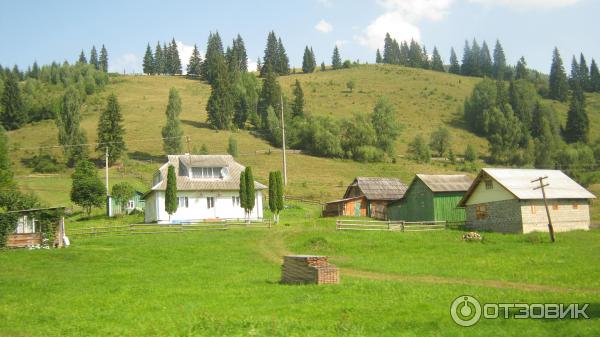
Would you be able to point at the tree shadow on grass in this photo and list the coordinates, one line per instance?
(196, 124)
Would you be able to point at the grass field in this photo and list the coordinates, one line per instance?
(423, 100)
(226, 283)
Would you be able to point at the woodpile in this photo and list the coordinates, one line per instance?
(308, 269)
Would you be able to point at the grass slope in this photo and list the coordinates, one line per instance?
(423, 100)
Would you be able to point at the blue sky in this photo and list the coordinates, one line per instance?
(58, 30)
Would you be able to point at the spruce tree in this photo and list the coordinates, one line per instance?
(336, 60)
(594, 77)
(13, 114)
(584, 73)
(175, 60)
(220, 108)
(35, 70)
(103, 62)
(298, 104)
(454, 66)
(111, 131)
(404, 54)
(578, 125)
(378, 58)
(521, 71)
(241, 59)
(171, 202)
(94, 58)
(313, 61)
(436, 61)
(148, 65)
(270, 59)
(415, 55)
(172, 132)
(425, 59)
(82, 58)
(195, 65)
(466, 67)
(396, 57)
(388, 49)
(70, 134)
(485, 61)
(159, 64)
(214, 55)
(308, 61)
(499, 66)
(475, 58)
(559, 86)
(283, 62)
(575, 78)
(270, 96)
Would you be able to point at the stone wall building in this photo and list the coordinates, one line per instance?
(504, 200)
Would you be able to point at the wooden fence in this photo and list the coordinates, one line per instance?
(134, 229)
(401, 226)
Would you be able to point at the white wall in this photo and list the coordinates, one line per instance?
(150, 208)
(197, 209)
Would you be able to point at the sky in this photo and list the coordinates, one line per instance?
(46, 31)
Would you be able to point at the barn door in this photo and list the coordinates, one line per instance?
(357, 208)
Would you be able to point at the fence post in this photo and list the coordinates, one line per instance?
(402, 225)
(389, 225)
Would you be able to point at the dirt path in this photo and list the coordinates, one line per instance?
(272, 248)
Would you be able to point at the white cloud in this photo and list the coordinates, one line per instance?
(400, 20)
(128, 63)
(522, 5)
(185, 52)
(252, 65)
(341, 43)
(324, 26)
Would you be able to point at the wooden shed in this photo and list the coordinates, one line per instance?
(367, 196)
(432, 198)
(29, 228)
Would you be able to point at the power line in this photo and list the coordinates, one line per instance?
(92, 144)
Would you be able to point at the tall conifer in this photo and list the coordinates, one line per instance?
(110, 130)
(559, 86)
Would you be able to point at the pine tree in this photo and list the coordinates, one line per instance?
(575, 78)
(298, 104)
(499, 61)
(404, 54)
(214, 55)
(159, 64)
(396, 57)
(521, 71)
(425, 59)
(270, 96)
(466, 67)
(454, 66)
(250, 193)
(111, 131)
(87, 189)
(594, 77)
(313, 61)
(82, 58)
(220, 107)
(584, 73)
(308, 61)
(436, 61)
(172, 132)
(103, 62)
(270, 59)
(578, 125)
(336, 60)
(13, 114)
(388, 49)
(241, 59)
(485, 61)
(323, 67)
(283, 62)
(558, 78)
(69, 131)
(171, 202)
(475, 59)
(415, 55)
(35, 70)
(148, 66)
(94, 58)
(174, 58)
(195, 65)
(378, 58)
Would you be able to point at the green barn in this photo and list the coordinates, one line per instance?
(432, 198)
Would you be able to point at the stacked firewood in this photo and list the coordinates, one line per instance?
(300, 269)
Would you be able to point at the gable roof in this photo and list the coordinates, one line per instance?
(379, 188)
(518, 182)
(184, 183)
(446, 182)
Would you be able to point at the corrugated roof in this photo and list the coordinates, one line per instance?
(379, 188)
(184, 183)
(446, 182)
(518, 182)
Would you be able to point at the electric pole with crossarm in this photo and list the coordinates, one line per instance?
(542, 185)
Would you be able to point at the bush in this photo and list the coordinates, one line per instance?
(368, 154)
(419, 150)
(44, 163)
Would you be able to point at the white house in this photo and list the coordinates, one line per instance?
(504, 200)
(207, 189)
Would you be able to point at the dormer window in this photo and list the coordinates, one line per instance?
(208, 172)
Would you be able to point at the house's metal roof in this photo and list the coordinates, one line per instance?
(379, 188)
(518, 182)
(184, 183)
(446, 182)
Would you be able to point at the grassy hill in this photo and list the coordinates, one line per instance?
(423, 101)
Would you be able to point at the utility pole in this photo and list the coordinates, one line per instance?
(542, 185)
(283, 144)
(108, 210)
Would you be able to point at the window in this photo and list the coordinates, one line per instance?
(206, 172)
(235, 201)
(130, 204)
(481, 212)
(210, 202)
(25, 225)
(183, 202)
(489, 184)
(555, 207)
